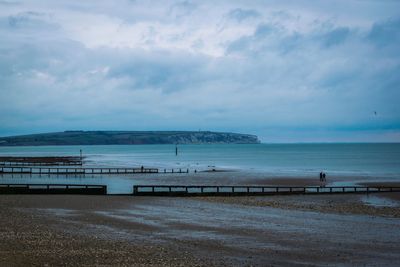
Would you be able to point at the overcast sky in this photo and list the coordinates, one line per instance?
(287, 71)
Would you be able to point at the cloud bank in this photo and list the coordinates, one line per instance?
(284, 70)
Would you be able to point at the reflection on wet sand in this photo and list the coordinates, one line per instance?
(211, 231)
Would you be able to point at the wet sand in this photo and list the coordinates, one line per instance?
(237, 231)
(351, 204)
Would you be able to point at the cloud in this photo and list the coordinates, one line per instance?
(181, 9)
(336, 36)
(8, 3)
(261, 69)
(386, 33)
(243, 14)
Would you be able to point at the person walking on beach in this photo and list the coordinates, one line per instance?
(142, 168)
(322, 178)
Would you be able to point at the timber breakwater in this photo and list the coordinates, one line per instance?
(193, 191)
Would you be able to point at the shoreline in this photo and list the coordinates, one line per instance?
(76, 230)
(119, 183)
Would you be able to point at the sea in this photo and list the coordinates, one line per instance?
(378, 161)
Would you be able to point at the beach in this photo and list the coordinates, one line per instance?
(67, 230)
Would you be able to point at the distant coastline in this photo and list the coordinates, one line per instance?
(128, 138)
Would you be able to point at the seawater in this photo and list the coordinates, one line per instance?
(298, 159)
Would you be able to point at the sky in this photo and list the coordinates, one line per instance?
(287, 71)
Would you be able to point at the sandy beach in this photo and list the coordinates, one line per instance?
(45, 230)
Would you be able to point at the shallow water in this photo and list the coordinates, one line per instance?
(373, 162)
(287, 159)
(377, 201)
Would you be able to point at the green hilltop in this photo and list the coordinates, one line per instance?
(128, 138)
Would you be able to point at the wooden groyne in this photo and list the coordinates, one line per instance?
(83, 170)
(19, 164)
(53, 189)
(67, 171)
(40, 161)
(197, 190)
(175, 171)
(194, 190)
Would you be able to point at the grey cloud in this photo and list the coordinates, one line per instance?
(263, 30)
(335, 37)
(169, 72)
(386, 33)
(9, 3)
(238, 45)
(181, 9)
(255, 42)
(292, 43)
(30, 19)
(240, 14)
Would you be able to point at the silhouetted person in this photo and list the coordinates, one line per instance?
(320, 176)
(324, 177)
(142, 168)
